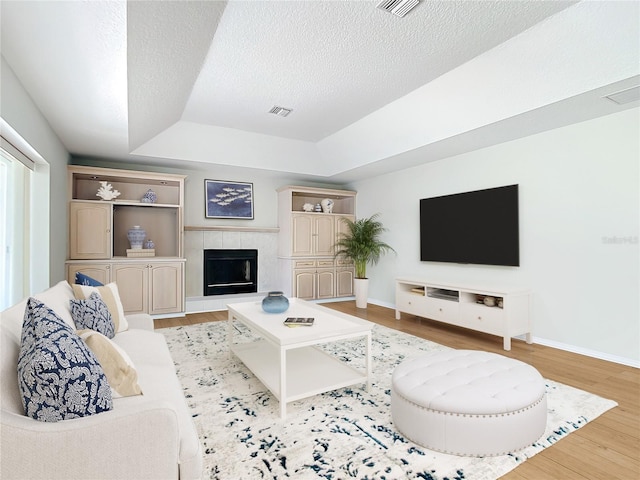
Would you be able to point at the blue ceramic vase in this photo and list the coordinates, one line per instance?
(136, 236)
(275, 302)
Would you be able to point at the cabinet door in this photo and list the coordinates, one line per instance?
(89, 230)
(324, 234)
(304, 284)
(98, 271)
(165, 287)
(341, 226)
(133, 286)
(344, 282)
(326, 283)
(302, 235)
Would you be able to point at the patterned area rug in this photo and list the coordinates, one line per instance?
(343, 434)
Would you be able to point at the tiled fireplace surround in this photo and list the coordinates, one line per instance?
(197, 239)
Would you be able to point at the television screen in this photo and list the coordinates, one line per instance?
(479, 227)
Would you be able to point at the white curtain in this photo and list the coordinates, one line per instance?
(15, 194)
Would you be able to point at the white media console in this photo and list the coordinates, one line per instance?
(505, 312)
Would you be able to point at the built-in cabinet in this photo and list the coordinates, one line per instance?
(503, 311)
(144, 287)
(308, 269)
(148, 280)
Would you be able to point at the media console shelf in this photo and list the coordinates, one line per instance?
(498, 311)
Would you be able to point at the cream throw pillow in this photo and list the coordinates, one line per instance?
(118, 367)
(110, 296)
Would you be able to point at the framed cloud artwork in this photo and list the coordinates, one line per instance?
(228, 199)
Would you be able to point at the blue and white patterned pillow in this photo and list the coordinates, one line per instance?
(82, 279)
(58, 376)
(93, 313)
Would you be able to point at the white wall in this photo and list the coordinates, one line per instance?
(579, 211)
(19, 111)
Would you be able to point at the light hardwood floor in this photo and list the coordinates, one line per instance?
(606, 448)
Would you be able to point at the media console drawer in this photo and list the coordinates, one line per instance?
(482, 318)
(443, 310)
(411, 303)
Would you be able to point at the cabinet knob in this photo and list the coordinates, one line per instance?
(479, 318)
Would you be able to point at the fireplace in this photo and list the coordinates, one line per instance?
(230, 271)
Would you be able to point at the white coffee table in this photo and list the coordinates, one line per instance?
(287, 360)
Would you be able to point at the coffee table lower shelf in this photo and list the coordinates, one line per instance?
(309, 370)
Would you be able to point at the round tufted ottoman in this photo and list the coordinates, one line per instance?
(466, 402)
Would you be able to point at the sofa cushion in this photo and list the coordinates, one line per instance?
(58, 376)
(158, 380)
(118, 367)
(110, 296)
(93, 314)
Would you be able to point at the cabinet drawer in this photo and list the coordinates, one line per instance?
(325, 263)
(414, 304)
(304, 263)
(484, 319)
(443, 310)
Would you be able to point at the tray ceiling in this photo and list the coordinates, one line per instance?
(166, 82)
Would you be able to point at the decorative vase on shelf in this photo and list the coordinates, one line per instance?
(149, 244)
(275, 302)
(149, 197)
(327, 205)
(136, 236)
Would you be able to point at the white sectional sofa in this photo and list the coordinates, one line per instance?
(148, 436)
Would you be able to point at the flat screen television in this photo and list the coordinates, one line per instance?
(479, 227)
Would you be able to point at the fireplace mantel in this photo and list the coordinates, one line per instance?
(229, 228)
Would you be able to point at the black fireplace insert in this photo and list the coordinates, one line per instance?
(230, 271)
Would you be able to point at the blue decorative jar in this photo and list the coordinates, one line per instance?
(149, 197)
(136, 236)
(275, 302)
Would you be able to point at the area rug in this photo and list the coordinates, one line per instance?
(347, 433)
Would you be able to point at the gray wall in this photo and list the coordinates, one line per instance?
(579, 211)
(19, 111)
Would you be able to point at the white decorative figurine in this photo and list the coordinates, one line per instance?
(106, 191)
(307, 207)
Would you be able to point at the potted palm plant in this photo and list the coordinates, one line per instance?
(361, 243)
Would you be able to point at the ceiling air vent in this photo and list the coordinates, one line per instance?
(398, 7)
(625, 96)
(281, 111)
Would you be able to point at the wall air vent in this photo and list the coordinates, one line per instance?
(281, 111)
(398, 7)
(625, 96)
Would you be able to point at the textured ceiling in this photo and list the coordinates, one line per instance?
(192, 81)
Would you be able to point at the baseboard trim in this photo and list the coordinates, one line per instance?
(587, 352)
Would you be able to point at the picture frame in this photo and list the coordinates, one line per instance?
(228, 199)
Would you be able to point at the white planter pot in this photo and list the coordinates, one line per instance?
(361, 291)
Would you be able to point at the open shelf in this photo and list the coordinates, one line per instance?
(443, 294)
(309, 370)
